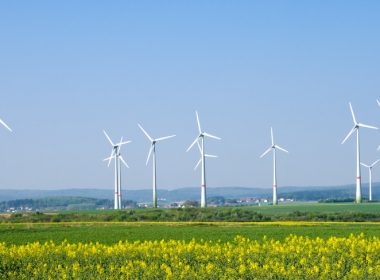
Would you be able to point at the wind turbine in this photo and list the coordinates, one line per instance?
(201, 146)
(115, 154)
(152, 151)
(356, 127)
(273, 148)
(5, 125)
(370, 176)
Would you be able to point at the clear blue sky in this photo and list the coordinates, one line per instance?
(72, 68)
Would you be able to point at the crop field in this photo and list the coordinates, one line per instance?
(79, 246)
(280, 250)
(113, 232)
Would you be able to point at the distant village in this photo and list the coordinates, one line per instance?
(30, 205)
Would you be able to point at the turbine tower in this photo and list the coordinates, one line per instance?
(5, 125)
(370, 177)
(356, 128)
(115, 154)
(273, 148)
(201, 145)
(152, 151)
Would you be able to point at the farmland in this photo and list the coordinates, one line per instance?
(299, 241)
(295, 257)
(113, 232)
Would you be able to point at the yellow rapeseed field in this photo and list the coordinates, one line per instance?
(297, 257)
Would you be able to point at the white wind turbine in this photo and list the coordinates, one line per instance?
(152, 151)
(356, 127)
(370, 176)
(115, 154)
(202, 161)
(273, 148)
(5, 125)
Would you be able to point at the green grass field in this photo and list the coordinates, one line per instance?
(319, 207)
(108, 226)
(344, 212)
(278, 209)
(109, 233)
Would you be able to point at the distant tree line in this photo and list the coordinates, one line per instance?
(231, 214)
(61, 203)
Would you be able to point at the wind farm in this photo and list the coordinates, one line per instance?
(199, 142)
(167, 140)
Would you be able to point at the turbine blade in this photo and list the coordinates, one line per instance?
(211, 156)
(199, 162)
(150, 152)
(365, 165)
(281, 149)
(164, 138)
(378, 148)
(211, 136)
(267, 151)
(198, 122)
(113, 155)
(199, 147)
(272, 137)
(192, 144)
(367, 126)
(352, 113)
(378, 102)
(349, 134)
(123, 161)
(5, 125)
(109, 159)
(146, 133)
(123, 143)
(376, 162)
(109, 139)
